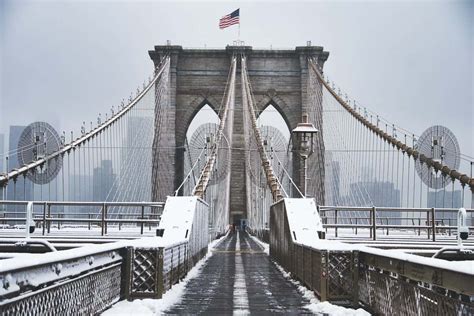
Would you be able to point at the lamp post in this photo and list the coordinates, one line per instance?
(303, 143)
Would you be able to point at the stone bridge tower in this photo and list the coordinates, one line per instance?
(198, 77)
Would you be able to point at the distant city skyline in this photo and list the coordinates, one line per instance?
(23, 188)
(2, 150)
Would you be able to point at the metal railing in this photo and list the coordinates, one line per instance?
(382, 282)
(69, 282)
(391, 286)
(50, 212)
(426, 219)
(89, 279)
(99, 275)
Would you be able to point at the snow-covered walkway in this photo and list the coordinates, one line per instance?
(237, 279)
(240, 278)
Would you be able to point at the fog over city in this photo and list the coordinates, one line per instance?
(411, 62)
(223, 179)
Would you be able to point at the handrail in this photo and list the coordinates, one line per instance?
(430, 222)
(85, 203)
(45, 217)
(24, 242)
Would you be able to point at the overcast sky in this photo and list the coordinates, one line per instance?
(409, 61)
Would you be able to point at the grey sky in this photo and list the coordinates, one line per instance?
(411, 62)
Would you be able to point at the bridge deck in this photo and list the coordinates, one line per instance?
(240, 278)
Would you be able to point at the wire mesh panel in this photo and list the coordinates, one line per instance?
(388, 294)
(340, 274)
(145, 271)
(85, 295)
(388, 285)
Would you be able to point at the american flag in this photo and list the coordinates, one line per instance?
(229, 19)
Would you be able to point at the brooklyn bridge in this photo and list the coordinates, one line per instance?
(244, 181)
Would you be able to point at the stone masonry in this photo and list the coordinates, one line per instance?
(198, 77)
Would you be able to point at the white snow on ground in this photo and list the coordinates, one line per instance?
(321, 307)
(266, 247)
(91, 250)
(173, 296)
(315, 305)
(241, 300)
(466, 267)
(303, 219)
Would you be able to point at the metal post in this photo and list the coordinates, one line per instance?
(324, 275)
(335, 220)
(59, 222)
(102, 230)
(355, 278)
(44, 218)
(127, 276)
(89, 222)
(105, 219)
(29, 218)
(433, 223)
(374, 225)
(142, 215)
(49, 218)
(428, 223)
(356, 225)
(305, 179)
(120, 223)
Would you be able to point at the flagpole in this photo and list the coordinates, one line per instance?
(239, 30)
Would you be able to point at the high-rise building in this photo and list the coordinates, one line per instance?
(2, 152)
(446, 199)
(103, 180)
(2, 159)
(137, 152)
(22, 188)
(332, 178)
(381, 194)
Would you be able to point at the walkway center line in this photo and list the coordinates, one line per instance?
(241, 300)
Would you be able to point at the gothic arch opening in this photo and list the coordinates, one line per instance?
(271, 116)
(201, 129)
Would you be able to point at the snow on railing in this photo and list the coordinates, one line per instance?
(119, 265)
(356, 274)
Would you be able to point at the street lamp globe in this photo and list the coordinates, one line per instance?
(303, 137)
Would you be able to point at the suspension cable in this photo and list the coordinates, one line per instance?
(247, 100)
(207, 171)
(81, 140)
(436, 165)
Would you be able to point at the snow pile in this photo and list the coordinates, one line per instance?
(177, 217)
(303, 219)
(318, 307)
(173, 296)
(334, 310)
(265, 246)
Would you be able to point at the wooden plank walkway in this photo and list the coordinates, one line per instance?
(240, 279)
